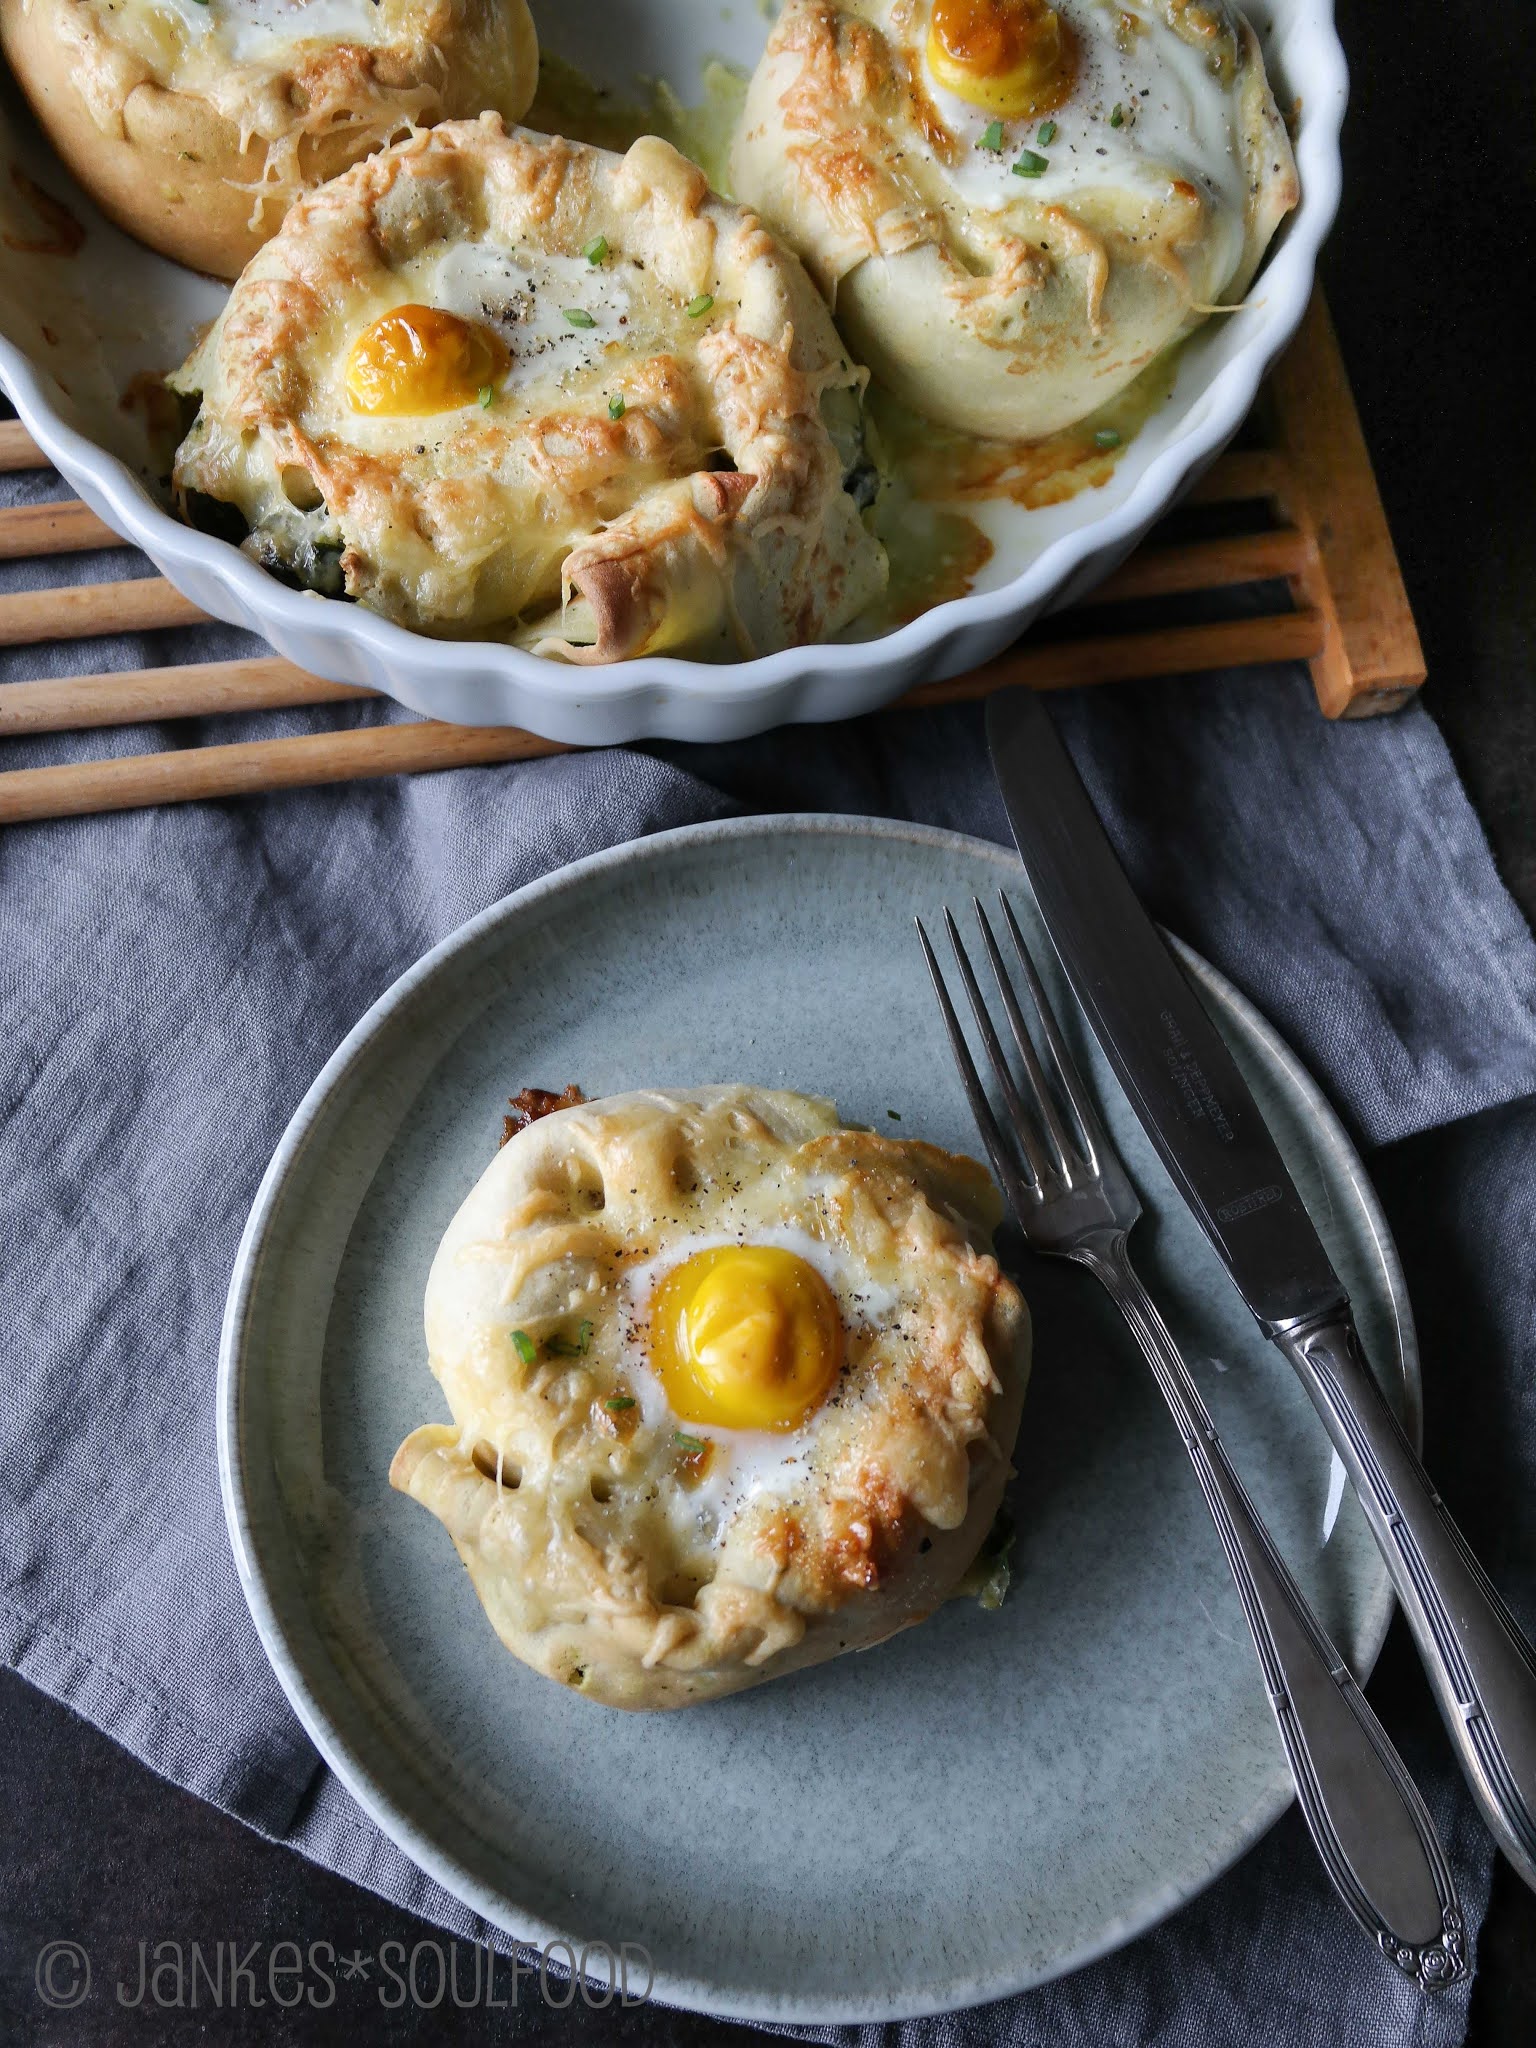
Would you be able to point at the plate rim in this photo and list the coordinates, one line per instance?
(440, 1864)
(663, 696)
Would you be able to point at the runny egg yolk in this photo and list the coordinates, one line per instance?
(745, 1337)
(419, 359)
(1012, 57)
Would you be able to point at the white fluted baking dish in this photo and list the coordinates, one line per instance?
(77, 331)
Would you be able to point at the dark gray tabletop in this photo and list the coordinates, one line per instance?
(1425, 273)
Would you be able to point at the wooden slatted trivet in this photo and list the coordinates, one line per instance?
(1299, 513)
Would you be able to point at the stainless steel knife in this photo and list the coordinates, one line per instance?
(1198, 1111)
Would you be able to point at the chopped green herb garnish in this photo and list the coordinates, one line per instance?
(566, 1347)
(685, 1442)
(596, 249)
(1031, 164)
(486, 395)
(992, 135)
(697, 308)
(524, 1346)
(616, 406)
(617, 1403)
(1117, 115)
(894, 1115)
(578, 316)
(1047, 134)
(1106, 437)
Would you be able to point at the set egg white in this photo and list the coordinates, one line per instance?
(528, 301)
(1145, 106)
(743, 1463)
(559, 318)
(255, 29)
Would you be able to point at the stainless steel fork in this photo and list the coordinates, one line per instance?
(1073, 1200)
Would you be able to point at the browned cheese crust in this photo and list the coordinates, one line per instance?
(672, 481)
(642, 1574)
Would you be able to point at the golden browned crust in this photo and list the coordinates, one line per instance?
(680, 490)
(841, 110)
(586, 1524)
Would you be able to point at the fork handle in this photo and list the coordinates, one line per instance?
(1480, 1664)
(1363, 1811)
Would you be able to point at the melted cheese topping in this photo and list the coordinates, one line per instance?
(214, 118)
(1015, 205)
(1144, 105)
(652, 1539)
(503, 383)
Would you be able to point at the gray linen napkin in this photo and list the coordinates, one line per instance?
(173, 980)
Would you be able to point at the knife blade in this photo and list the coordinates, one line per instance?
(1167, 1054)
(1192, 1100)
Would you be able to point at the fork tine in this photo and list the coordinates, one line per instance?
(1066, 1067)
(1023, 1123)
(1018, 1191)
(1063, 1142)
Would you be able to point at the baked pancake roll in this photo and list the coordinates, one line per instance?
(501, 383)
(195, 124)
(733, 1388)
(1014, 206)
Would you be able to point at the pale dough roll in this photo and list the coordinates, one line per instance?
(1008, 276)
(666, 454)
(195, 126)
(646, 1561)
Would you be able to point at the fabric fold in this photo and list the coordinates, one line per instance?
(174, 979)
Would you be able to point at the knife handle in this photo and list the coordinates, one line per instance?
(1370, 1827)
(1479, 1661)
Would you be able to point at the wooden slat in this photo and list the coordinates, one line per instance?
(18, 450)
(194, 690)
(202, 689)
(1240, 474)
(137, 780)
(1131, 657)
(86, 611)
(1208, 565)
(1371, 657)
(1353, 624)
(65, 527)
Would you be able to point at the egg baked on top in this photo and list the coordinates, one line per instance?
(195, 124)
(734, 1389)
(492, 382)
(1014, 206)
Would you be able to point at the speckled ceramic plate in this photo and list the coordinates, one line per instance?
(980, 1803)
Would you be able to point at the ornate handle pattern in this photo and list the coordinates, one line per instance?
(1363, 1811)
(1480, 1663)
